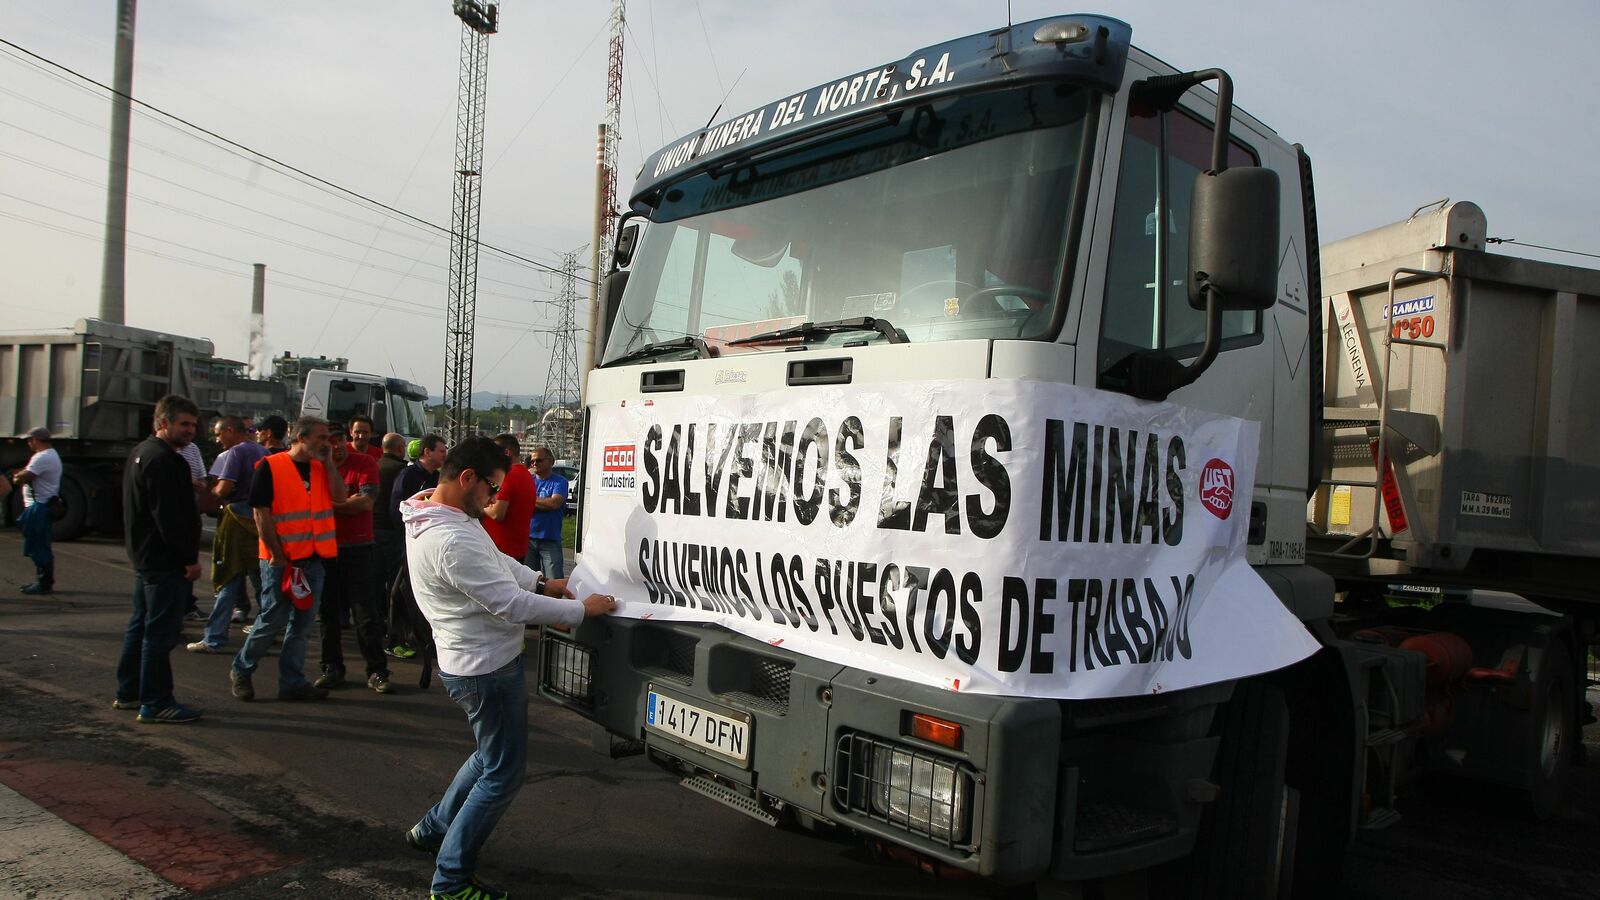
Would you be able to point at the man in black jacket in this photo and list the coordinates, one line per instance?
(163, 543)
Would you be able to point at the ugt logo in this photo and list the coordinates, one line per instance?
(1216, 488)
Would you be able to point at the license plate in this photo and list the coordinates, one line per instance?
(719, 733)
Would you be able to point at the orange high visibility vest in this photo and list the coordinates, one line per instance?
(304, 521)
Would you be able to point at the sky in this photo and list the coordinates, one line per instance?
(1399, 104)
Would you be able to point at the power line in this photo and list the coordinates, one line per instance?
(420, 309)
(233, 226)
(432, 229)
(274, 160)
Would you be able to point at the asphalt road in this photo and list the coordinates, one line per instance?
(270, 799)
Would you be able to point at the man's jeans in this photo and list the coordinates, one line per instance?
(547, 557)
(276, 611)
(497, 708)
(144, 671)
(231, 597)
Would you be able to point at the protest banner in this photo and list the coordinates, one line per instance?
(1001, 536)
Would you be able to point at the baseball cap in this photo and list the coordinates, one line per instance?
(41, 433)
(336, 428)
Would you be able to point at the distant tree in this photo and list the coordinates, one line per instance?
(785, 299)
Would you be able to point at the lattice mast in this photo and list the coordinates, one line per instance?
(559, 425)
(605, 216)
(479, 19)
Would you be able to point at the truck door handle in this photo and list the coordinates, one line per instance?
(660, 381)
(820, 371)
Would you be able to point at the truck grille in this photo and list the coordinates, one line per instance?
(752, 680)
(664, 654)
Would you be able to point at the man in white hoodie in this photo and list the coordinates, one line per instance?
(479, 602)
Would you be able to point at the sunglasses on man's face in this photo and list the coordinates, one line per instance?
(493, 488)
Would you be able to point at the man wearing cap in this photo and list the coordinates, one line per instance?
(271, 432)
(41, 481)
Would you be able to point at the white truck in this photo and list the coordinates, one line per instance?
(394, 404)
(1045, 203)
(95, 386)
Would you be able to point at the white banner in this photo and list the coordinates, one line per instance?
(999, 537)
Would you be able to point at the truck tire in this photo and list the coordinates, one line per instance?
(1552, 741)
(72, 521)
(1245, 848)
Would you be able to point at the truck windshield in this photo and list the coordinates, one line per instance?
(946, 219)
(406, 416)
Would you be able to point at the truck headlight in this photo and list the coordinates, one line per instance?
(920, 793)
(925, 794)
(565, 668)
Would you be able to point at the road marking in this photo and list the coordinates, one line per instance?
(45, 857)
(175, 834)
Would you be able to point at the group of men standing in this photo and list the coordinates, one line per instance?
(324, 525)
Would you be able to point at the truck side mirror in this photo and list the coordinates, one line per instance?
(622, 253)
(1233, 239)
(612, 300)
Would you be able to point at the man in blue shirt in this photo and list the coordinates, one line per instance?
(544, 533)
(233, 550)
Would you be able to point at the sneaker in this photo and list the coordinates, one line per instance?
(330, 678)
(35, 588)
(420, 844)
(305, 692)
(473, 890)
(401, 651)
(195, 615)
(247, 628)
(238, 616)
(119, 703)
(239, 682)
(203, 647)
(172, 713)
(379, 682)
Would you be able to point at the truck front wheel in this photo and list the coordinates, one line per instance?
(1245, 847)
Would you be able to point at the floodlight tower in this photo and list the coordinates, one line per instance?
(479, 19)
(605, 213)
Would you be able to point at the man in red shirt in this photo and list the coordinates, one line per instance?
(354, 581)
(507, 518)
(361, 437)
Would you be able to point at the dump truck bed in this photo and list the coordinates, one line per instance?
(1483, 372)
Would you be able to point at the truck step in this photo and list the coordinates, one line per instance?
(1380, 817)
(729, 797)
(1383, 737)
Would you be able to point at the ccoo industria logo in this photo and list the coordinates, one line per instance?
(618, 473)
(1216, 488)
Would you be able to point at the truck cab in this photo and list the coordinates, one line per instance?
(1017, 205)
(393, 403)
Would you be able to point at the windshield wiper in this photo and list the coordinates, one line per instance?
(806, 329)
(689, 342)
